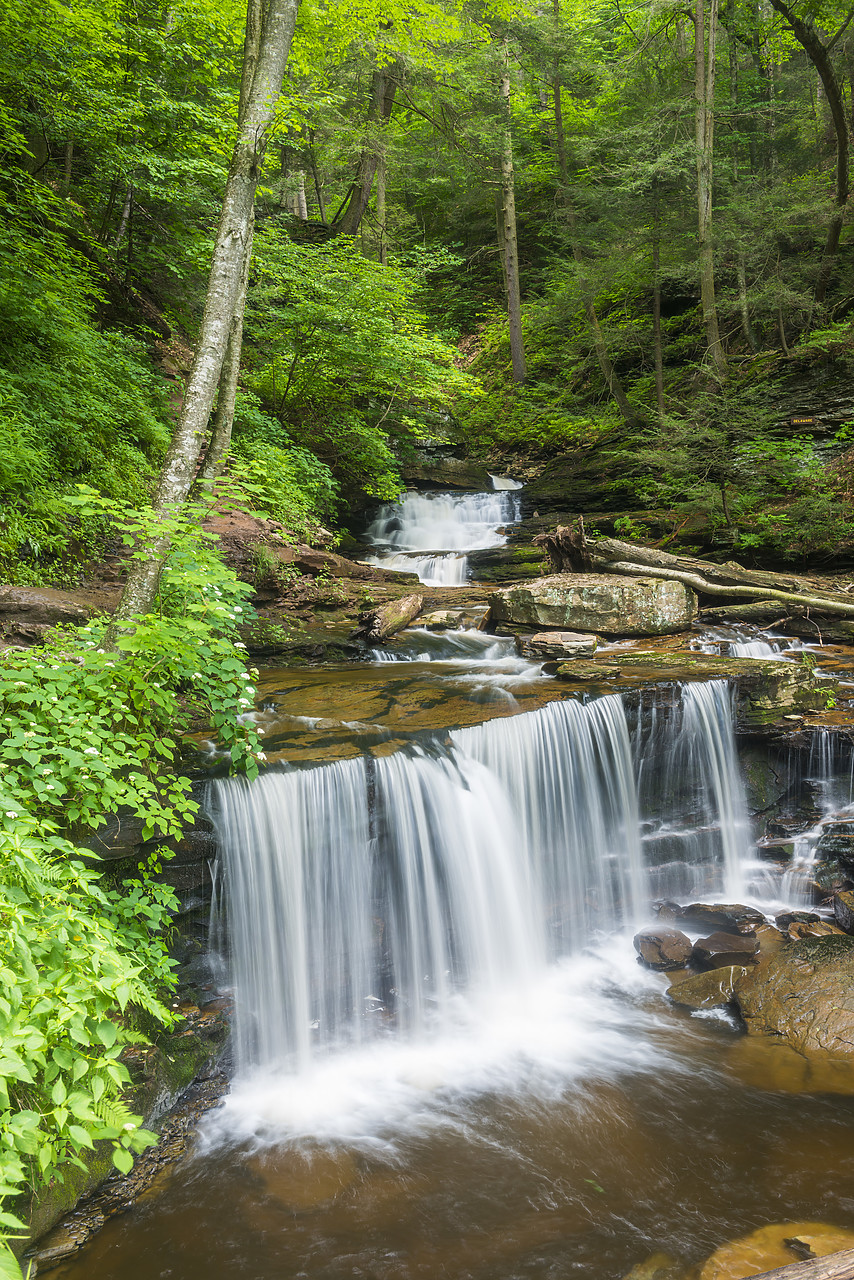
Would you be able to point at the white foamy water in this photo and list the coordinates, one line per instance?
(431, 533)
(586, 1016)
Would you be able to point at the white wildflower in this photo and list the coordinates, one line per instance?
(91, 751)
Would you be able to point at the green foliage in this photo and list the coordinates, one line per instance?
(84, 733)
(76, 405)
(348, 363)
(274, 476)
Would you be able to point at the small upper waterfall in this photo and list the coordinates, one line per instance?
(372, 896)
(430, 533)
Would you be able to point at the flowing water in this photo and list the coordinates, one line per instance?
(447, 1060)
(431, 533)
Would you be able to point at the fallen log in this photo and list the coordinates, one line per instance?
(570, 550)
(379, 624)
(835, 1266)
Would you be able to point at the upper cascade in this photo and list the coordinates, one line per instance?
(430, 533)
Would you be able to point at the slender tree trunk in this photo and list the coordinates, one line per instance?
(67, 165)
(318, 190)
(781, 324)
(511, 244)
(383, 90)
(807, 36)
(220, 437)
(499, 229)
(302, 206)
(741, 265)
(123, 220)
(381, 210)
(273, 21)
(658, 354)
(704, 120)
(609, 373)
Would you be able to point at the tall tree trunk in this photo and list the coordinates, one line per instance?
(67, 165)
(123, 220)
(318, 190)
(383, 90)
(511, 244)
(658, 354)
(269, 31)
(609, 373)
(220, 437)
(819, 55)
(302, 206)
(381, 211)
(741, 265)
(704, 122)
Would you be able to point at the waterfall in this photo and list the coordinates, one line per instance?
(368, 897)
(430, 533)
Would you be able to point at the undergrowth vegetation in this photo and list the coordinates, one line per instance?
(85, 732)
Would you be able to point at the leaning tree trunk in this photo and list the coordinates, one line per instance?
(819, 55)
(570, 550)
(704, 122)
(274, 21)
(226, 396)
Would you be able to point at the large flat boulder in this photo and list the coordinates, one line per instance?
(598, 602)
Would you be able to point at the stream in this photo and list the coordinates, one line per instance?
(447, 1060)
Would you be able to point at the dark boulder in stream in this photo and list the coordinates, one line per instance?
(720, 950)
(663, 948)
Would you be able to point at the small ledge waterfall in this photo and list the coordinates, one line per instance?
(366, 898)
(430, 533)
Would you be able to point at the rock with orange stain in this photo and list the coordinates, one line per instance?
(778, 1245)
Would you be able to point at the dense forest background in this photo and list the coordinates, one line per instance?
(600, 247)
(663, 188)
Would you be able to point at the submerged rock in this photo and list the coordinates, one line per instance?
(658, 1266)
(598, 602)
(721, 949)
(778, 1245)
(663, 948)
(706, 990)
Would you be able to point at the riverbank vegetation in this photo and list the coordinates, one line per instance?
(536, 237)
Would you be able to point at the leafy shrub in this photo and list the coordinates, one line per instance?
(85, 732)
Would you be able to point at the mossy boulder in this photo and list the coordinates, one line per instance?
(804, 995)
(597, 602)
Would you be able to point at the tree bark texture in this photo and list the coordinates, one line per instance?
(612, 380)
(511, 243)
(383, 90)
(704, 122)
(807, 36)
(274, 22)
(836, 1266)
